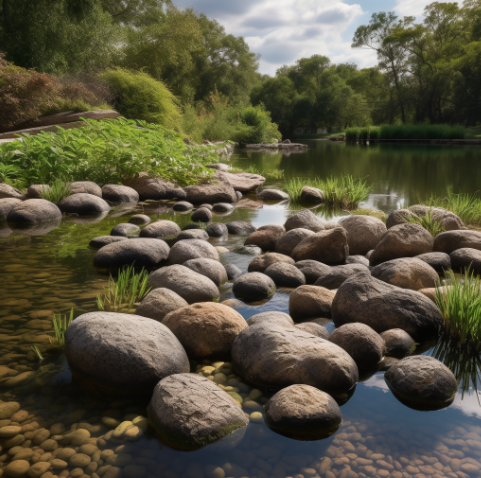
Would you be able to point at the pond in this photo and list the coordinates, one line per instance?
(379, 437)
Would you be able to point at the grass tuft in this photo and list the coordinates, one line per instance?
(432, 225)
(60, 324)
(57, 191)
(37, 352)
(466, 206)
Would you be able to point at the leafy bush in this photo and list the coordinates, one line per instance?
(138, 96)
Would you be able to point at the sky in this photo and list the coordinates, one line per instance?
(282, 31)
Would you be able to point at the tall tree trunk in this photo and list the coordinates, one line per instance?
(400, 95)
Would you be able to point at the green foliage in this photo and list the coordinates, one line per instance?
(60, 324)
(122, 294)
(432, 225)
(294, 186)
(57, 191)
(83, 153)
(138, 96)
(363, 135)
(352, 135)
(466, 206)
(422, 131)
(37, 352)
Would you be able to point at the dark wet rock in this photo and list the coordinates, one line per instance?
(190, 285)
(313, 270)
(124, 229)
(178, 398)
(159, 302)
(33, 212)
(208, 206)
(6, 205)
(161, 230)
(315, 329)
(206, 330)
(233, 272)
(147, 253)
(439, 261)
(304, 219)
(262, 262)
(222, 207)
(87, 187)
(365, 299)
(363, 233)
(200, 234)
(329, 246)
(265, 239)
(101, 241)
(187, 249)
(217, 230)
(37, 190)
(183, 206)
(466, 258)
(289, 241)
(275, 355)
(398, 342)
(116, 194)
(202, 215)
(422, 382)
(243, 182)
(339, 274)
(312, 195)
(449, 221)
(451, 241)
(399, 216)
(273, 227)
(9, 192)
(360, 341)
(272, 195)
(33, 230)
(212, 269)
(155, 188)
(310, 302)
(404, 240)
(285, 275)
(240, 228)
(122, 354)
(357, 259)
(140, 219)
(83, 204)
(254, 286)
(303, 412)
(273, 316)
(191, 225)
(248, 250)
(210, 193)
(407, 273)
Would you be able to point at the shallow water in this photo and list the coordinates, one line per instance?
(378, 437)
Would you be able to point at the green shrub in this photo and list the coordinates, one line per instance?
(422, 131)
(138, 96)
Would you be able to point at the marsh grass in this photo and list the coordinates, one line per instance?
(57, 191)
(61, 323)
(123, 293)
(352, 135)
(422, 131)
(432, 225)
(37, 352)
(363, 135)
(466, 206)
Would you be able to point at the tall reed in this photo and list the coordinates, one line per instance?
(60, 324)
(352, 135)
(466, 206)
(422, 131)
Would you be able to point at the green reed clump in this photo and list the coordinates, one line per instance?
(123, 293)
(37, 352)
(364, 135)
(460, 305)
(352, 135)
(422, 131)
(466, 206)
(294, 186)
(57, 191)
(374, 132)
(429, 222)
(60, 325)
(344, 191)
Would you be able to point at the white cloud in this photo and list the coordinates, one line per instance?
(412, 8)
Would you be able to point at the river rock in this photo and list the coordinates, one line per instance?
(313, 270)
(155, 188)
(363, 233)
(328, 246)
(240, 228)
(6, 205)
(83, 204)
(273, 316)
(210, 193)
(243, 182)
(183, 206)
(210, 268)
(124, 229)
(9, 192)
(312, 195)
(254, 286)
(285, 275)
(439, 261)
(422, 382)
(147, 253)
(399, 216)
(159, 302)
(272, 195)
(360, 341)
(288, 241)
(161, 230)
(262, 262)
(217, 230)
(34, 212)
(466, 258)
(86, 187)
(451, 241)
(101, 241)
(179, 398)
(303, 412)
(304, 219)
(449, 221)
(365, 299)
(202, 215)
(265, 239)
(310, 302)
(275, 355)
(339, 274)
(17, 468)
(140, 219)
(187, 249)
(37, 190)
(398, 343)
(248, 250)
(233, 272)
(407, 273)
(117, 194)
(357, 259)
(404, 240)
(122, 353)
(190, 285)
(222, 208)
(199, 234)
(315, 329)
(206, 330)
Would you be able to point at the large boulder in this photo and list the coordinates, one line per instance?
(279, 356)
(288, 241)
(305, 219)
(159, 302)
(312, 195)
(285, 275)
(210, 193)
(363, 233)
(38, 190)
(407, 273)
(117, 194)
(32, 212)
(253, 287)
(242, 182)
(314, 328)
(262, 262)
(183, 206)
(206, 330)
(265, 239)
(240, 228)
(9, 192)
(310, 302)
(422, 382)
(466, 258)
(217, 229)
(6, 205)
(190, 285)
(365, 299)
(155, 188)
(398, 343)
(86, 187)
(404, 240)
(83, 204)
(338, 274)
(161, 230)
(399, 216)
(122, 354)
(189, 412)
(272, 316)
(210, 268)
(313, 270)
(187, 249)
(273, 195)
(451, 241)
(439, 261)
(146, 253)
(328, 246)
(303, 412)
